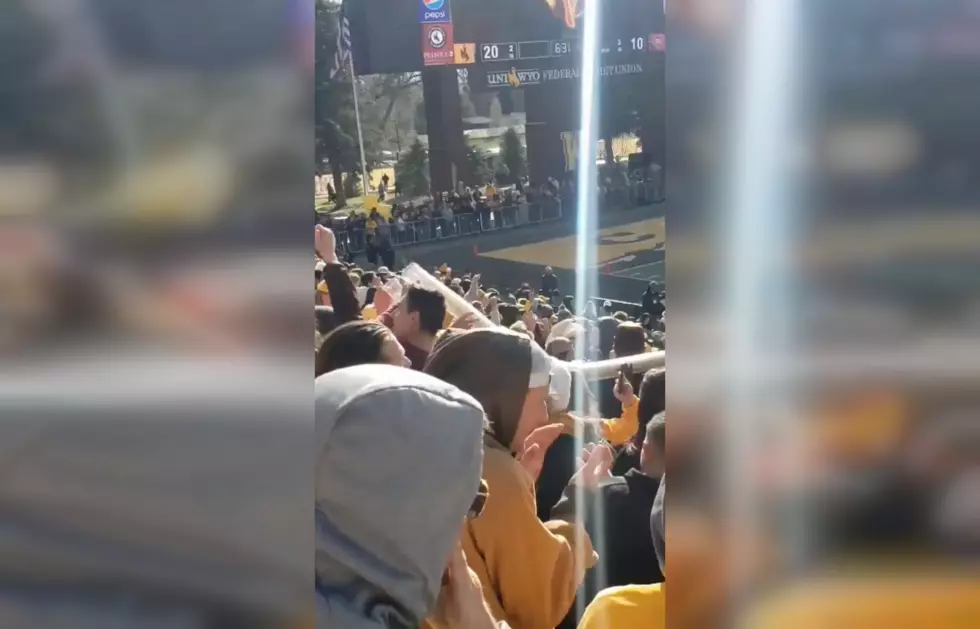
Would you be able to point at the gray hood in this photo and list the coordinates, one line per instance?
(399, 456)
(658, 525)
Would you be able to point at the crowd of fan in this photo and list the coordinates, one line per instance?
(434, 217)
(452, 488)
(472, 210)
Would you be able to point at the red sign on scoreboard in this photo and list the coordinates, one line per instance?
(437, 44)
(658, 42)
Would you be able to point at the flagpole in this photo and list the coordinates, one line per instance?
(357, 120)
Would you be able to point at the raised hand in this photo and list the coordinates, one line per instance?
(535, 447)
(623, 391)
(461, 604)
(596, 467)
(468, 321)
(325, 243)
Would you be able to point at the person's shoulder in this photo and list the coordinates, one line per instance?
(501, 465)
(634, 606)
(510, 488)
(632, 593)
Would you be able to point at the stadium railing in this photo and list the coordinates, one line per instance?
(439, 229)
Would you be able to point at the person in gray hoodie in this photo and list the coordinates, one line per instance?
(398, 461)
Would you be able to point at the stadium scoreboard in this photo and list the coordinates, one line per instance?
(547, 49)
(483, 35)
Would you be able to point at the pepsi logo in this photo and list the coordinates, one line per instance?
(433, 5)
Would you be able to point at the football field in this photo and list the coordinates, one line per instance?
(632, 251)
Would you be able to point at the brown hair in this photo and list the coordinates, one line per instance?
(431, 306)
(630, 340)
(653, 401)
(492, 365)
(354, 343)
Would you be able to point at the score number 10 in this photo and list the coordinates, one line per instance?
(498, 52)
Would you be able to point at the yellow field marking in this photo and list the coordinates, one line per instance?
(614, 242)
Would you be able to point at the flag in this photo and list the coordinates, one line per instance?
(342, 53)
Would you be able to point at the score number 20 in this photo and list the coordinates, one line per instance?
(495, 52)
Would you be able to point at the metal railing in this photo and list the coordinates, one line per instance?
(439, 228)
(625, 196)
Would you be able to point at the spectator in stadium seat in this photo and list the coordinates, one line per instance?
(336, 289)
(527, 567)
(630, 339)
(359, 343)
(653, 400)
(549, 283)
(416, 320)
(624, 542)
(446, 219)
(637, 606)
(576, 331)
(509, 314)
(559, 461)
(523, 211)
(561, 348)
(648, 299)
(607, 335)
(384, 550)
(545, 314)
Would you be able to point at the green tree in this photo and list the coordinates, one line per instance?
(335, 139)
(512, 156)
(335, 124)
(477, 161)
(412, 170)
(387, 104)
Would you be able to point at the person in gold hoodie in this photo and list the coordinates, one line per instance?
(529, 569)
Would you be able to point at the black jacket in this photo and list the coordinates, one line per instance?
(625, 545)
(560, 463)
(549, 284)
(621, 537)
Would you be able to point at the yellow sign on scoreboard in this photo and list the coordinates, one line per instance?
(464, 54)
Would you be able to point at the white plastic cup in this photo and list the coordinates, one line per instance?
(394, 288)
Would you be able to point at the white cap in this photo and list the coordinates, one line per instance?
(540, 367)
(561, 384)
(547, 371)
